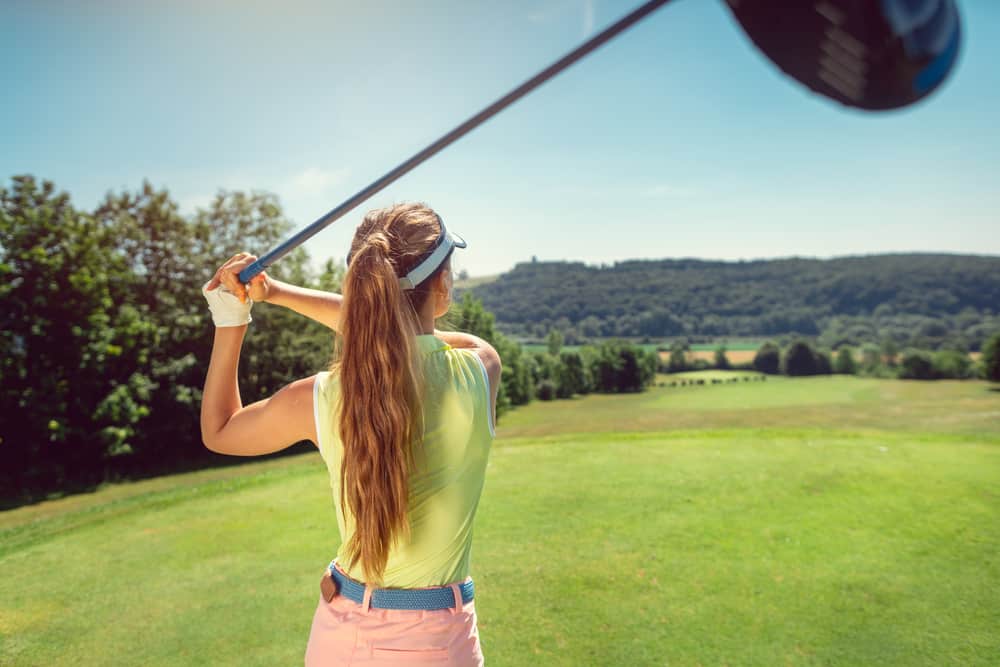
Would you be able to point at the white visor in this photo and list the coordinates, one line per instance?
(423, 270)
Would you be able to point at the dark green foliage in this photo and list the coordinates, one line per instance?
(916, 365)
(573, 375)
(951, 364)
(678, 357)
(889, 352)
(546, 390)
(925, 300)
(105, 335)
(845, 363)
(824, 366)
(617, 367)
(768, 359)
(991, 358)
(554, 342)
(721, 360)
(871, 358)
(69, 395)
(800, 359)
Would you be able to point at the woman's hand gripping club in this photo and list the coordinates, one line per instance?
(229, 300)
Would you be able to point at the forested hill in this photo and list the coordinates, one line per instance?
(901, 295)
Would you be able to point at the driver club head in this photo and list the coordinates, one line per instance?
(868, 54)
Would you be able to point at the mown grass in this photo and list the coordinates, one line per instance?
(824, 521)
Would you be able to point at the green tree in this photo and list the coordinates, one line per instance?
(554, 342)
(916, 365)
(69, 398)
(573, 377)
(845, 363)
(991, 358)
(800, 359)
(768, 359)
(678, 356)
(871, 358)
(616, 366)
(169, 258)
(889, 352)
(951, 364)
(824, 365)
(721, 360)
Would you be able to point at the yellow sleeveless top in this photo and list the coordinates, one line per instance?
(448, 473)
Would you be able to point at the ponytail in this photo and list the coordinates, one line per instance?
(380, 412)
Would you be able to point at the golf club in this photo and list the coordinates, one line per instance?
(868, 54)
(874, 55)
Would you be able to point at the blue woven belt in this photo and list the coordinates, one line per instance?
(402, 598)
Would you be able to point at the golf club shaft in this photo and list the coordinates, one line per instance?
(555, 68)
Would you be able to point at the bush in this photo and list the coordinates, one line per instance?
(800, 359)
(546, 390)
(721, 360)
(871, 358)
(678, 357)
(845, 364)
(951, 364)
(572, 375)
(616, 366)
(916, 365)
(768, 359)
(823, 364)
(700, 365)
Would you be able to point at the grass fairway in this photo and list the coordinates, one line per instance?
(823, 521)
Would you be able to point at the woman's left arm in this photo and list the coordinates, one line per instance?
(266, 426)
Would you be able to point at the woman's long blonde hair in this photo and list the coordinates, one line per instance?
(380, 411)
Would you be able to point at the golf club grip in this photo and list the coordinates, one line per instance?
(555, 68)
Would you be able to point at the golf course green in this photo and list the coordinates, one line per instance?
(814, 521)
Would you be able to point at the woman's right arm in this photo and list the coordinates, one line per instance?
(324, 307)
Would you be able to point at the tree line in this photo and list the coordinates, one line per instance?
(105, 337)
(801, 357)
(928, 301)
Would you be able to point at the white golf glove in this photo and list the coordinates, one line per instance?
(227, 309)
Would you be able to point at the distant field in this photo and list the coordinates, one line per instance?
(812, 521)
(734, 356)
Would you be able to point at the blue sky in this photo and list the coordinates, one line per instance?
(677, 139)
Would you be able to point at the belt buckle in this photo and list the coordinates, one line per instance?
(327, 586)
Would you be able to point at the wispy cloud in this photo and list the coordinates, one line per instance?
(314, 182)
(557, 12)
(301, 193)
(667, 191)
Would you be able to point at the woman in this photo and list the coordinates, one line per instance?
(404, 422)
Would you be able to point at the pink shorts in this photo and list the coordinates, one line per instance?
(346, 633)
